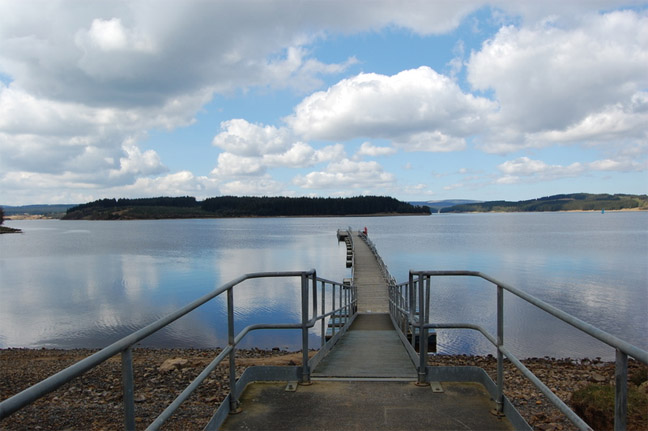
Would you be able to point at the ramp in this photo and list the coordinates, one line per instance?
(370, 348)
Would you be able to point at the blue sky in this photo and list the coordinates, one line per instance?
(419, 100)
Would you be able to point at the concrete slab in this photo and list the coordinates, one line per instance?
(362, 405)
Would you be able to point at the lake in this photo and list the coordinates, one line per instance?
(67, 284)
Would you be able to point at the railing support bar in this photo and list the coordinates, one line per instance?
(424, 288)
(127, 388)
(304, 302)
(314, 298)
(412, 306)
(500, 356)
(621, 391)
(334, 326)
(234, 404)
(323, 321)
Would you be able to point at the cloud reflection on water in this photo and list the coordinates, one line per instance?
(61, 287)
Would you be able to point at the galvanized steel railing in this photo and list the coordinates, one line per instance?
(409, 307)
(342, 300)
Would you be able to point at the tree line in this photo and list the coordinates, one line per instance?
(307, 206)
(238, 206)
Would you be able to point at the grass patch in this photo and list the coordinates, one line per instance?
(595, 404)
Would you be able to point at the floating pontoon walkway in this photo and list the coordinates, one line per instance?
(372, 288)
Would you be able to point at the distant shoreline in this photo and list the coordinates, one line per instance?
(45, 217)
(549, 212)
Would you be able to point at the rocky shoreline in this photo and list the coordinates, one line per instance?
(93, 401)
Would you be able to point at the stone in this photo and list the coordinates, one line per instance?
(172, 364)
(597, 378)
(644, 387)
(139, 398)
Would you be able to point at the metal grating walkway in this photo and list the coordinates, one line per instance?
(370, 348)
(373, 294)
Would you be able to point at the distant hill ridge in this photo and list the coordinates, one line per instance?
(40, 209)
(562, 202)
(437, 205)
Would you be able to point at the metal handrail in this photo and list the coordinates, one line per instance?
(409, 304)
(309, 312)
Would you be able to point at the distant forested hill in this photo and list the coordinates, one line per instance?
(566, 202)
(134, 209)
(234, 206)
(54, 211)
(436, 206)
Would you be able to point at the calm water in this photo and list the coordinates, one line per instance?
(86, 284)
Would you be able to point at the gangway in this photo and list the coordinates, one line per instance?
(367, 373)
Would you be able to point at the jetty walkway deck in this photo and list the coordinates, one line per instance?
(373, 295)
(367, 381)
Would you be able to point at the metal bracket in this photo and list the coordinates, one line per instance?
(291, 387)
(436, 387)
(497, 413)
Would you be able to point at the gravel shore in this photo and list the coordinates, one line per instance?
(93, 401)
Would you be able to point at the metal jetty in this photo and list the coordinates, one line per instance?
(369, 371)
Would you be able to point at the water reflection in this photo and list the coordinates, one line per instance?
(588, 265)
(86, 284)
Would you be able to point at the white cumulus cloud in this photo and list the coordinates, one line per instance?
(549, 79)
(246, 139)
(368, 149)
(409, 108)
(525, 169)
(250, 149)
(349, 176)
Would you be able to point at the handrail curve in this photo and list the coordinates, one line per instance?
(409, 306)
(310, 294)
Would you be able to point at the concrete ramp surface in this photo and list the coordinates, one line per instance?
(365, 405)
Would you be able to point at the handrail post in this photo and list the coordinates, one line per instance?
(234, 404)
(323, 323)
(424, 301)
(341, 301)
(500, 357)
(412, 305)
(304, 300)
(314, 301)
(347, 302)
(402, 306)
(621, 391)
(334, 326)
(127, 387)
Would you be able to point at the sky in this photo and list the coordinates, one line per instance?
(418, 100)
